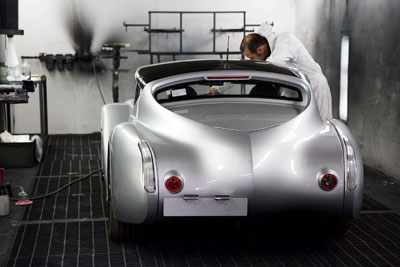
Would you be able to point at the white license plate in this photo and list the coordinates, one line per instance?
(178, 207)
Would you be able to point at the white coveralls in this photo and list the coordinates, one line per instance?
(287, 50)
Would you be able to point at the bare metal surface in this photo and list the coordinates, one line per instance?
(270, 151)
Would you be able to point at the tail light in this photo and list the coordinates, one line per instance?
(228, 78)
(148, 174)
(328, 182)
(351, 166)
(174, 184)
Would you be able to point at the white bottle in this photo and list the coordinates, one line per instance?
(26, 70)
(4, 205)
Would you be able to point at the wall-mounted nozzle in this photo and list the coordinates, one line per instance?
(69, 61)
(60, 60)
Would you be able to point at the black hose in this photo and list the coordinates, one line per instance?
(61, 188)
(97, 82)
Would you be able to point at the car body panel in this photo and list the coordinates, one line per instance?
(286, 172)
(353, 198)
(274, 159)
(132, 203)
(251, 117)
(111, 116)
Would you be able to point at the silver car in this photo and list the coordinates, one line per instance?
(208, 138)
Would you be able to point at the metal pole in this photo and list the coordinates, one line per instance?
(180, 34)
(151, 55)
(244, 27)
(44, 125)
(9, 124)
(116, 64)
(214, 25)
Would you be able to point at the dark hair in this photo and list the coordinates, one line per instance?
(252, 42)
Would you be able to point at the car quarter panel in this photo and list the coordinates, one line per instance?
(287, 163)
(111, 115)
(353, 198)
(131, 203)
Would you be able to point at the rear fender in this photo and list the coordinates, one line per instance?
(288, 162)
(111, 115)
(131, 202)
(352, 197)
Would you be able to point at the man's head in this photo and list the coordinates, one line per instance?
(255, 47)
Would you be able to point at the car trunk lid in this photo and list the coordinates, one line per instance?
(244, 117)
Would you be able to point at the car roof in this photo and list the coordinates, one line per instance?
(149, 73)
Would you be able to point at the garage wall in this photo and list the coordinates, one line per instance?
(62, 26)
(318, 26)
(374, 83)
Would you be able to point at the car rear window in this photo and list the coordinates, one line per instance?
(208, 89)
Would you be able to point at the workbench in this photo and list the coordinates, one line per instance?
(39, 81)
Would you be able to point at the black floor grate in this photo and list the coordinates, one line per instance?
(372, 240)
(68, 167)
(63, 207)
(370, 204)
(71, 140)
(73, 147)
(70, 228)
(73, 153)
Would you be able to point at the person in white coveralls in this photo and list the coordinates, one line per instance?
(285, 49)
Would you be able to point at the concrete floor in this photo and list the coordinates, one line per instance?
(81, 228)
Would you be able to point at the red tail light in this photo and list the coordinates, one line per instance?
(174, 184)
(328, 182)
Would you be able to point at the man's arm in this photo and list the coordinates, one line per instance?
(284, 50)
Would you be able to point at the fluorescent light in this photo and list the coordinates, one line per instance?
(344, 77)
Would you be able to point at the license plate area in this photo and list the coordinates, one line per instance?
(179, 207)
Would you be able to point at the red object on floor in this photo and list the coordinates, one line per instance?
(23, 202)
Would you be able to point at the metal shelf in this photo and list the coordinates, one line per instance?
(163, 30)
(180, 30)
(11, 32)
(231, 30)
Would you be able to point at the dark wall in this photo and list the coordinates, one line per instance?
(318, 26)
(374, 80)
(374, 101)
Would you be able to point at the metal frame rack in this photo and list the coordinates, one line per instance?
(10, 99)
(148, 28)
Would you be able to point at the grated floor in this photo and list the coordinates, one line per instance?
(70, 229)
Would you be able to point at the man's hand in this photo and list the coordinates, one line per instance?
(213, 91)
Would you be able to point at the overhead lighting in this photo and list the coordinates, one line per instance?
(344, 77)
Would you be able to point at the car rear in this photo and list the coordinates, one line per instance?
(256, 147)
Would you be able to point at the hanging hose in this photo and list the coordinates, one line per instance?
(61, 188)
(97, 81)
